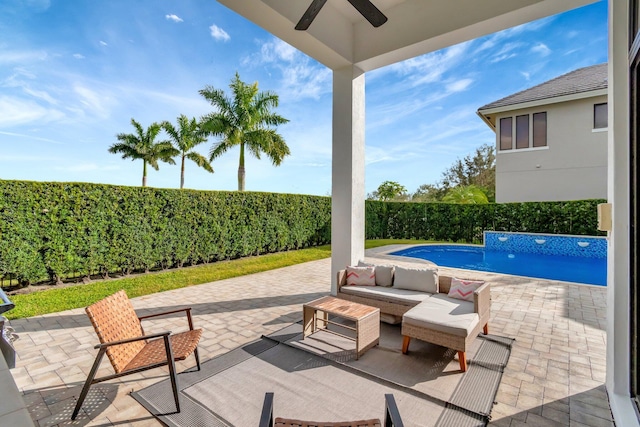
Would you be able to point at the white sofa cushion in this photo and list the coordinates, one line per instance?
(443, 314)
(384, 273)
(392, 295)
(416, 279)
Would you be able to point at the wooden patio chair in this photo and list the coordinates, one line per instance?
(392, 417)
(129, 350)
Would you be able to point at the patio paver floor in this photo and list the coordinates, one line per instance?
(555, 376)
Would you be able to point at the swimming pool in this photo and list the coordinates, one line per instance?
(577, 269)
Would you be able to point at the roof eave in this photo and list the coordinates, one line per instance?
(486, 120)
(545, 101)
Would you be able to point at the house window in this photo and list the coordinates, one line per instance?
(600, 116)
(530, 131)
(522, 131)
(506, 130)
(540, 129)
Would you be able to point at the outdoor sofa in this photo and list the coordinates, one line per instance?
(422, 301)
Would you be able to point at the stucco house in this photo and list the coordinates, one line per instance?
(551, 139)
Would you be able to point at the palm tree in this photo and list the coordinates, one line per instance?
(245, 120)
(142, 145)
(468, 194)
(185, 138)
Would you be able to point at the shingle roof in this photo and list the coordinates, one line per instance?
(581, 80)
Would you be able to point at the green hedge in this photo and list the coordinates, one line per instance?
(58, 231)
(55, 231)
(466, 222)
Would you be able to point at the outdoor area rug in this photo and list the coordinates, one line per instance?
(318, 379)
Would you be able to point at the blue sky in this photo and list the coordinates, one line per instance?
(74, 73)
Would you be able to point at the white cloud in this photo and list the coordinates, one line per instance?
(301, 77)
(541, 49)
(16, 111)
(93, 102)
(526, 75)
(278, 51)
(431, 67)
(37, 138)
(22, 57)
(103, 43)
(78, 56)
(174, 18)
(459, 85)
(219, 34)
(504, 57)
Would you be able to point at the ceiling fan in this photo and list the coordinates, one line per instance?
(365, 7)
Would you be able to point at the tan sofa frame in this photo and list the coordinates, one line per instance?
(481, 305)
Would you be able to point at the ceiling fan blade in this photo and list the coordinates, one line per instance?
(310, 14)
(369, 11)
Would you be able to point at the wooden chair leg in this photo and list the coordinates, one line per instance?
(405, 344)
(172, 371)
(195, 353)
(486, 328)
(462, 357)
(88, 382)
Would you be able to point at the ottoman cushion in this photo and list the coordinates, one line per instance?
(443, 314)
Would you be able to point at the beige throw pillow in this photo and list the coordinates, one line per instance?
(464, 289)
(384, 273)
(416, 279)
(361, 276)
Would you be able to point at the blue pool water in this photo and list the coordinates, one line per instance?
(576, 269)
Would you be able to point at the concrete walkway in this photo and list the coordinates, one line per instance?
(555, 375)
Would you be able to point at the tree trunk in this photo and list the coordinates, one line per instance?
(144, 173)
(241, 169)
(182, 173)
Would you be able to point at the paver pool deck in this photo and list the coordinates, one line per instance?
(555, 376)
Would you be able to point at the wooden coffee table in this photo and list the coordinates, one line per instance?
(367, 320)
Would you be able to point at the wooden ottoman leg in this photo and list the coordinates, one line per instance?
(462, 357)
(405, 344)
(486, 328)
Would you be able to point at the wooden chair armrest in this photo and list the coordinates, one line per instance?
(342, 278)
(392, 415)
(147, 316)
(128, 340)
(482, 299)
(187, 310)
(266, 418)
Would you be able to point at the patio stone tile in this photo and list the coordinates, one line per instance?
(555, 374)
(537, 420)
(529, 403)
(589, 420)
(533, 390)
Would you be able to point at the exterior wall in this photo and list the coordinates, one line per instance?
(572, 166)
(619, 315)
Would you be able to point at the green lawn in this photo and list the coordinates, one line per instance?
(60, 299)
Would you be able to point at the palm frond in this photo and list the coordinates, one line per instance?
(244, 118)
(200, 160)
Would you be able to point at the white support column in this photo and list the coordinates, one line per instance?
(618, 280)
(347, 194)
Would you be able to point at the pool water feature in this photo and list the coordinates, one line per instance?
(577, 259)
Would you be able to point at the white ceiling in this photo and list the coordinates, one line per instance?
(340, 36)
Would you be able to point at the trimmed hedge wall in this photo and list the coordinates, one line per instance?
(465, 223)
(55, 231)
